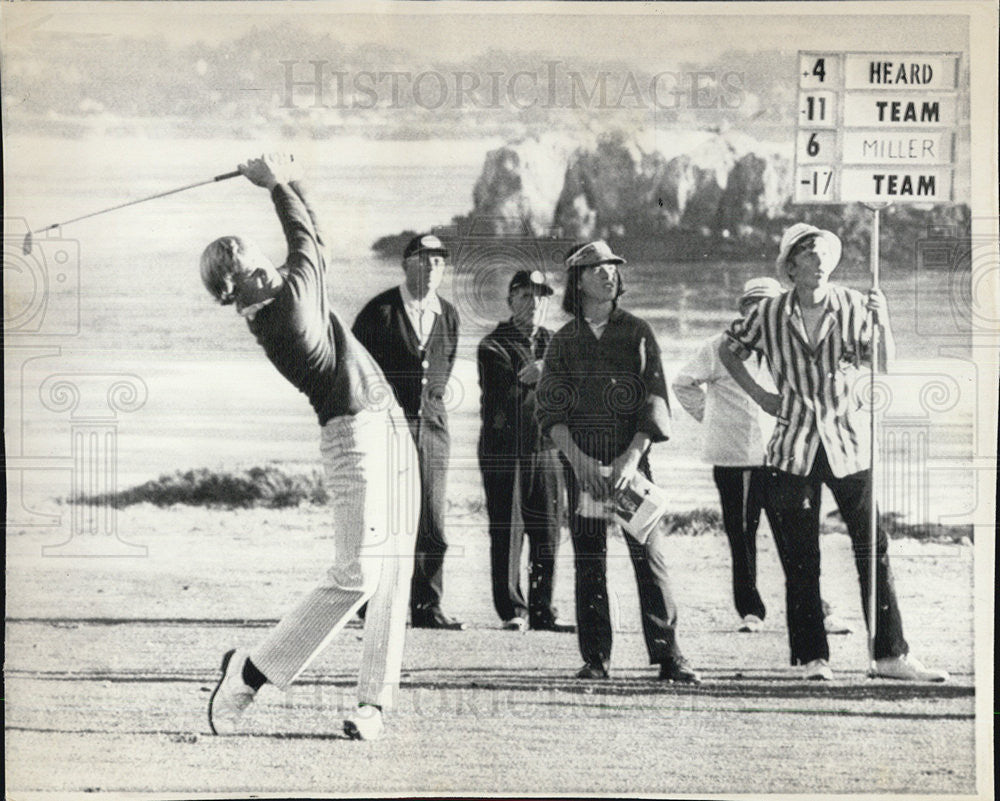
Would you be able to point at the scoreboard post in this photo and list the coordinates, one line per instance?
(875, 129)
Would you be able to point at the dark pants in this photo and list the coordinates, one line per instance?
(795, 520)
(593, 617)
(741, 493)
(427, 588)
(534, 478)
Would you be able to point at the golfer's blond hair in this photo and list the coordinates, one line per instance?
(224, 258)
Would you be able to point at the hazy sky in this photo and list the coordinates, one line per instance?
(652, 33)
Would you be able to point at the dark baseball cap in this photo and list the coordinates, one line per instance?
(530, 278)
(425, 243)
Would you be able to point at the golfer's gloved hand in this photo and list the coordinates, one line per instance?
(271, 169)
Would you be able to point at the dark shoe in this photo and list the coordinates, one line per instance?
(436, 620)
(554, 624)
(678, 670)
(592, 672)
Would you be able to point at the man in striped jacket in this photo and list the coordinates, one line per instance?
(815, 338)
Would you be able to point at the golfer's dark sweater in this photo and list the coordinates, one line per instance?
(302, 336)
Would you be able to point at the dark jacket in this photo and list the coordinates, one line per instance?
(418, 377)
(605, 390)
(509, 427)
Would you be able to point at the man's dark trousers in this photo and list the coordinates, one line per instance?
(534, 478)
(741, 493)
(593, 615)
(433, 448)
(795, 520)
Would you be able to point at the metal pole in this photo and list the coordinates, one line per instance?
(873, 431)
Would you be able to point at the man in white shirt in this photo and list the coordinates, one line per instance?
(736, 430)
(413, 334)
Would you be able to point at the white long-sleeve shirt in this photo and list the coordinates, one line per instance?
(421, 313)
(736, 428)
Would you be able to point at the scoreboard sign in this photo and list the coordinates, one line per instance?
(876, 127)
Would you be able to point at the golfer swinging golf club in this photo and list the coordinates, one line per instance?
(814, 338)
(367, 453)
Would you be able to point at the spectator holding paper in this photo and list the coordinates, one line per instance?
(603, 400)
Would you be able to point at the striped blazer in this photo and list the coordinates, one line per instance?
(819, 402)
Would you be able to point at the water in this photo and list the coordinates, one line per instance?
(212, 400)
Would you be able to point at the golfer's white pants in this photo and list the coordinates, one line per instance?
(374, 483)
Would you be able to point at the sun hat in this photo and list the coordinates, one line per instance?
(592, 254)
(796, 234)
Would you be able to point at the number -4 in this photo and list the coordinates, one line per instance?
(819, 69)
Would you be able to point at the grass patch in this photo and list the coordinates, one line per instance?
(271, 487)
(894, 525)
(268, 487)
(930, 532)
(693, 523)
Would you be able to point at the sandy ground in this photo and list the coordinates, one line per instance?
(110, 662)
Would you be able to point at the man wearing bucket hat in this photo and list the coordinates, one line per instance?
(514, 459)
(815, 338)
(413, 334)
(603, 400)
(734, 446)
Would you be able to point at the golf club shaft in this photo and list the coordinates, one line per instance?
(223, 177)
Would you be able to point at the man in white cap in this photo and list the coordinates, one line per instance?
(815, 339)
(734, 446)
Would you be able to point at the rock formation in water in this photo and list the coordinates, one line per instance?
(631, 185)
(689, 194)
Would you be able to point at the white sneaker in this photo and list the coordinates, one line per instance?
(834, 625)
(751, 624)
(907, 668)
(515, 624)
(231, 695)
(817, 670)
(365, 723)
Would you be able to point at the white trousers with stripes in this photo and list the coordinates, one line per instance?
(374, 484)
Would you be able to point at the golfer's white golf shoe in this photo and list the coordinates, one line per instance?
(231, 695)
(365, 723)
